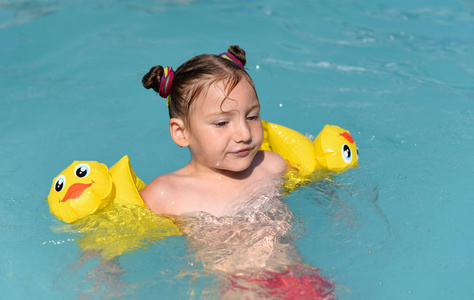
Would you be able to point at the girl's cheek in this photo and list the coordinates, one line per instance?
(258, 129)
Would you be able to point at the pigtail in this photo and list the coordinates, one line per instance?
(238, 52)
(152, 79)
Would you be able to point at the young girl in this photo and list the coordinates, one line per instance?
(227, 197)
(215, 113)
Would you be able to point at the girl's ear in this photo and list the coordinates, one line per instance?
(179, 133)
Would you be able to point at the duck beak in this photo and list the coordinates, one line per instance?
(75, 191)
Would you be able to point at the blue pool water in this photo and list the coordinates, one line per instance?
(398, 75)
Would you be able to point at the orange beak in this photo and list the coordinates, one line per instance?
(75, 191)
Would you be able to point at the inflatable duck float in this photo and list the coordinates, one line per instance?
(105, 208)
(87, 186)
(333, 149)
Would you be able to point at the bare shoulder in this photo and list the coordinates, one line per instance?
(159, 193)
(274, 163)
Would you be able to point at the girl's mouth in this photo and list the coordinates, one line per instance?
(242, 151)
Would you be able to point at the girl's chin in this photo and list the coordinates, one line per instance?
(235, 167)
(233, 163)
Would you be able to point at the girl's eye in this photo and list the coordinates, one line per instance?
(82, 170)
(60, 183)
(220, 124)
(253, 118)
(346, 154)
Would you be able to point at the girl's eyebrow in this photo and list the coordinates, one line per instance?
(221, 112)
(256, 105)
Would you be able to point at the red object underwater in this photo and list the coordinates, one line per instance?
(295, 283)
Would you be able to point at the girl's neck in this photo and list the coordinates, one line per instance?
(222, 174)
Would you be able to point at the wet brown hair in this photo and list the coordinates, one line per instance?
(195, 76)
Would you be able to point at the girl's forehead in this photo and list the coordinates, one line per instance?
(217, 97)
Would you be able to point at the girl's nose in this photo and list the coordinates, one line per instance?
(242, 133)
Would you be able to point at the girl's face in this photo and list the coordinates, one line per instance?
(225, 134)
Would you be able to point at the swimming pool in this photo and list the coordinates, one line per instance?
(399, 76)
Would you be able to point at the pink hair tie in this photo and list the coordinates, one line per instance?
(231, 57)
(165, 83)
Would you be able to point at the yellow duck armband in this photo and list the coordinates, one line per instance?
(105, 207)
(333, 149)
(87, 186)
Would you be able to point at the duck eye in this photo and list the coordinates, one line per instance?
(82, 170)
(357, 151)
(346, 154)
(60, 183)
